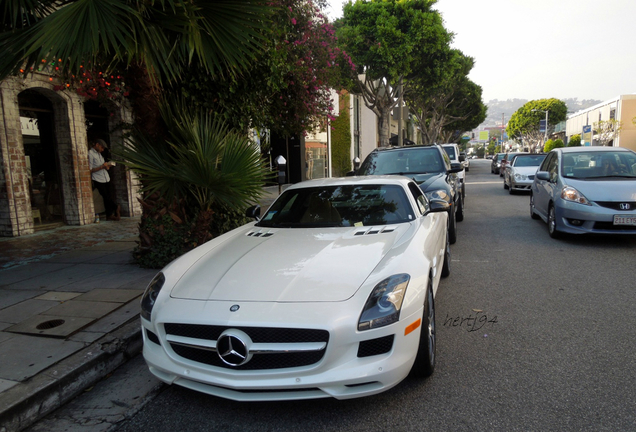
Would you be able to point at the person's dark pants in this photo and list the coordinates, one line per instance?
(104, 191)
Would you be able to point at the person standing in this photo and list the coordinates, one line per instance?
(101, 179)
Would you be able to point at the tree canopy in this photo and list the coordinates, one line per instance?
(389, 42)
(524, 123)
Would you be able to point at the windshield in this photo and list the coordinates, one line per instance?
(585, 165)
(421, 160)
(339, 206)
(528, 160)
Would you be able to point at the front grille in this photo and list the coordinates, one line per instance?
(616, 205)
(377, 346)
(275, 360)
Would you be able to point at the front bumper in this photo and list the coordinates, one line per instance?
(341, 372)
(577, 218)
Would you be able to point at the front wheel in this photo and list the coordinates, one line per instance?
(446, 266)
(452, 226)
(533, 215)
(460, 209)
(424, 364)
(552, 223)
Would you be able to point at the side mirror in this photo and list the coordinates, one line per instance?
(253, 212)
(439, 206)
(455, 168)
(356, 163)
(350, 174)
(462, 157)
(543, 175)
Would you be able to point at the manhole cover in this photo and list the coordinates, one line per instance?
(50, 324)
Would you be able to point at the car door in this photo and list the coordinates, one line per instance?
(543, 190)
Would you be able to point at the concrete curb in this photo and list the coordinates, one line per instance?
(28, 402)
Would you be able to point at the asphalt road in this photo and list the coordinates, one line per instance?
(551, 348)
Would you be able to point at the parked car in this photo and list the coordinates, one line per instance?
(506, 160)
(452, 150)
(520, 173)
(495, 165)
(465, 161)
(429, 167)
(580, 190)
(331, 293)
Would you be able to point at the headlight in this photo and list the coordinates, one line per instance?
(520, 177)
(568, 193)
(385, 302)
(439, 194)
(151, 294)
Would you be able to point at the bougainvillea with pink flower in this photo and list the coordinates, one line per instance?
(288, 86)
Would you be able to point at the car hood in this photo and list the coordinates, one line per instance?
(605, 189)
(429, 182)
(290, 265)
(525, 170)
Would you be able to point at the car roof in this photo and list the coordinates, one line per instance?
(354, 180)
(590, 148)
(410, 147)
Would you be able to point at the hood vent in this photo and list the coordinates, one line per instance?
(260, 234)
(374, 230)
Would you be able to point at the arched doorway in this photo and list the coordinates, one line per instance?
(37, 118)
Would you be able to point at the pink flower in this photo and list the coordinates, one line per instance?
(293, 20)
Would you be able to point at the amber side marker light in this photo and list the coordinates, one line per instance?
(412, 327)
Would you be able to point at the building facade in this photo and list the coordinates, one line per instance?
(621, 108)
(44, 143)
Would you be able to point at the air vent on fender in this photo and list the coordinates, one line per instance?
(374, 230)
(260, 234)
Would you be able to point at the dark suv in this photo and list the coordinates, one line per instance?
(429, 167)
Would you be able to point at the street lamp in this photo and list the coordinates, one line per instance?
(545, 136)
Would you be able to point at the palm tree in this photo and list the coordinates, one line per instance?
(150, 41)
(186, 157)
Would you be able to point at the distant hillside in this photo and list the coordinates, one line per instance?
(496, 108)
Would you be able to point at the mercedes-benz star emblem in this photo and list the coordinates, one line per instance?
(232, 350)
(625, 206)
(234, 308)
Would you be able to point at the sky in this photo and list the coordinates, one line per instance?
(535, 49)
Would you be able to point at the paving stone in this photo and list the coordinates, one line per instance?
(7, 384)
(111, 295)
(22, 273)
(26, 309)
(116, 319)
(83, 309)
(59, 296)
(22, 357)
(10, 297)
(50, 325)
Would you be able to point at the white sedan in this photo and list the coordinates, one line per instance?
(330, 294)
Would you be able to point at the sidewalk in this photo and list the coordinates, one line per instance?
(69, 313)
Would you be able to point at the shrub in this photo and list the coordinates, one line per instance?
(575, 141)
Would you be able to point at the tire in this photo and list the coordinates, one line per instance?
(510, 191)
(459, 216)
(533, 215)
(505, 184)
(424, 364)
(552, 223)
(452, 226)
(446, 266)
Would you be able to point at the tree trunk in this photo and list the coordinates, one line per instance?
(384, 121)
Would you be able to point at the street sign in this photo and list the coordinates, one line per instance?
(586, 136)
(542, 125)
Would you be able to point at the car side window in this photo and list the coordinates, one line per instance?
(546, 162)
(422, 202)
(552, 167)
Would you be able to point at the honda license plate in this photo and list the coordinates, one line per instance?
(624, 220)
